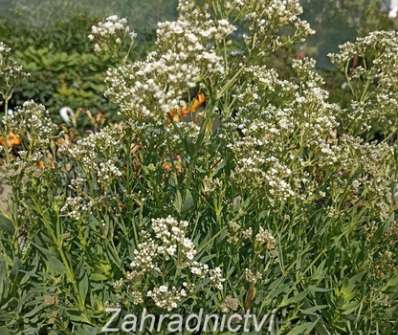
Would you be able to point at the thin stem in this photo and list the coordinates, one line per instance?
(128, 52)
(6, 97)
(6, 106)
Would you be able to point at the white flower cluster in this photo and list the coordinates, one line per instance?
(167, 298)
(32, 119)
(4, 52)
(169, 244)
(172, 236)
(270, 114)
(265, 238)
(96, 157)
(108, 171)
(252, 277)
(265, 19)
(89, 150)
(77, 207)
(11, 73)
(113, 30)
(185, 56)
(371, 67)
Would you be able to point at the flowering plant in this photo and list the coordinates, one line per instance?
(11, 74)
(227, 184)
(109, 36)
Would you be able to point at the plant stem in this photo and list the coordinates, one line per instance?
(5, 106)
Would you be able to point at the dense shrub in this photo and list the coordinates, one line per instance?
(63, 70)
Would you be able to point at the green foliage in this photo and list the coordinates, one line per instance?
(45, 14)
(67, 79)
(63, 70)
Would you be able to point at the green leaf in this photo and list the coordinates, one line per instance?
(98, 277)
(35, 311)
(178, 202)
(6, 225)
(77, 316)
(188, 201)
(304, 328)
(313, 310)
(55, 266)
(83, 287)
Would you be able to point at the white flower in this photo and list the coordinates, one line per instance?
(112, 30)
(163, 289)
(113, 18)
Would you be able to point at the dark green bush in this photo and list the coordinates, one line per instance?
(64, 70)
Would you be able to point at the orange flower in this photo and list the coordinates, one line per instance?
(49, 164)
(177, 114)
(174, 115)
(12, 140)
(175, 165)
(166, 166)
(184, 112)
(198, 102)
(41, 165)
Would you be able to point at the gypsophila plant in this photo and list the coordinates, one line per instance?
(111, 35)
(11, 74)
(370, 65)
(231, 184)
(169, 251)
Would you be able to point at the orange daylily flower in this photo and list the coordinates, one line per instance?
(177, 114)
(11, 141)
(198, 102)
